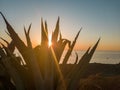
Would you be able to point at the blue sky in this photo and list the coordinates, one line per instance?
(99, 18)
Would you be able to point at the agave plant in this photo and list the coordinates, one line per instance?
(41, 70)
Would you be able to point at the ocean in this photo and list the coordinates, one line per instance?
(105, 57)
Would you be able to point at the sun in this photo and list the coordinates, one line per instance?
(49, 41)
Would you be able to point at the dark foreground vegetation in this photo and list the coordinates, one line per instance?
(106, 70)
(40, 69)
(98, 76)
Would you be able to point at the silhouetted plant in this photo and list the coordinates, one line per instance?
(41, 70)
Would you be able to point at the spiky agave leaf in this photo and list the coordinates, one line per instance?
(11, 45)
(60, 38)
(16, 39)
(11, 70)
(34, 67)
(28, 55)
(76, 58)
(82, 66)
(61, 47)
(71, 48)
(58, 47)
(27, 32)
(44, 34)
(56, 32)
(13, 73)
(46, 27)
(57, 72)
(93, 49)
(48, 63)
(18, 42)
(14, 60)
(23, 72)
(76, 68)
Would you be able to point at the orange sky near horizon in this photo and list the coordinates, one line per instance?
(97, 18)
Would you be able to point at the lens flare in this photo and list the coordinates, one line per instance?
(50, 41)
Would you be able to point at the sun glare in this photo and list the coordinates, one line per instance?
(50, 41)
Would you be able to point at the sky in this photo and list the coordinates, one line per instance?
(98, 18)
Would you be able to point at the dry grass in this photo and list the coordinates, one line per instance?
(97, 82)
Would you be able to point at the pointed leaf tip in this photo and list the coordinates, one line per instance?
(1, 13)
(46, 26)
(58, 21)
(45, 23)
(4, 17)
(94, 48)
(29, 28)
(98, 41)
(58, 18)
(25, 30)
